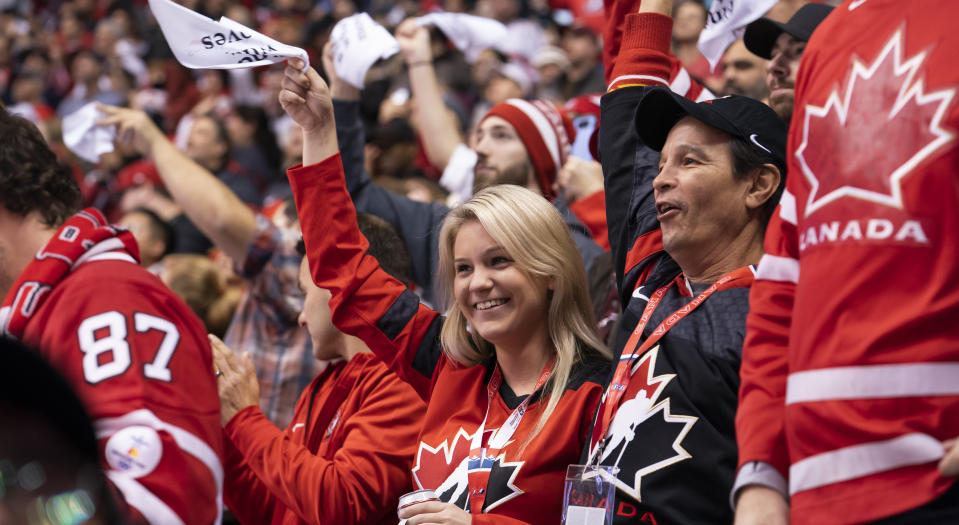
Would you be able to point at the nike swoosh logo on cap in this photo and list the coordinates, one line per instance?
(756, 142)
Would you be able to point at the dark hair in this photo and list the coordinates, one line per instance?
(386, 246)
(31, 178)
(745, 159)
(160, 229)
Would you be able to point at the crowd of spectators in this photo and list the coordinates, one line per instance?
(649, 178)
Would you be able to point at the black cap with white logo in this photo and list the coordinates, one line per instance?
(754, 122)
(762, 34)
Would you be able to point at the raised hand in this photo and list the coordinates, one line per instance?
(307, 100)
(134, 127)
(579, 179)
(414, 41)
(339, 89)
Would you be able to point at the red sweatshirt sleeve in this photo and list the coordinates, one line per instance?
(644, 58)
(760, 429)
(248, 498)
(363, 295)
(366, 474)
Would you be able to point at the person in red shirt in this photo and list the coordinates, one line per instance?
(135, 353)
(849, 406)
(511, 376)
(346, 455)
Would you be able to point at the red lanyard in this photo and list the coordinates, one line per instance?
(483, 452)
(633, 350)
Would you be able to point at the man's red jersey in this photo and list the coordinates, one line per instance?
(139, 359)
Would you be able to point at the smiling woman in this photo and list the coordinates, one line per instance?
(518, 290)
(516, 351)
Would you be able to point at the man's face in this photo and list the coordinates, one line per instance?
(502, 157)
(150, 244)
(744, 73)
(581, 46)
(699, 203)
(690, 19)
(204, 144)
(781, 74)
(86, 68)
(317, 318)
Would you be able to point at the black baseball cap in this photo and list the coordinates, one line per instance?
(742, 117)
(761, 34)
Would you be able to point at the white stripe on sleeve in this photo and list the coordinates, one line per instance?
(775, 268)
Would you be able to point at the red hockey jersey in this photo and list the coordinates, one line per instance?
(140, 360)
(524, 485)
(850, 375)
(345, 457)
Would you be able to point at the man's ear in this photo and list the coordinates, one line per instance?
(764, 183)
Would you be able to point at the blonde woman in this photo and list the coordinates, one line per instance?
(511, 376)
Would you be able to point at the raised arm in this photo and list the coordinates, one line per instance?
(417, 222)
(436, 124)
(366, 301)
(206, 201)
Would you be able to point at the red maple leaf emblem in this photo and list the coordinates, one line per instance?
(434, 465)
(844, 153)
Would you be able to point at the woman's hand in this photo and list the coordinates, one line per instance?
(306, 98)
(435, 512)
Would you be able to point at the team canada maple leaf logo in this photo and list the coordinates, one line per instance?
(660, 433)
(865, 160)
(446, 469)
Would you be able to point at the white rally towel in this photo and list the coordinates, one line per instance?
(469, 33)
(82, 135)
(199, 42)
(358, 42)
(726, 23)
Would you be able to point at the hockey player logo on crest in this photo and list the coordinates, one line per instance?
(636, 418)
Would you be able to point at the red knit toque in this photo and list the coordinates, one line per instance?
(546, 132)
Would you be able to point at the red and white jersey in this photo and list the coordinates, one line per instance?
(140, 360)
(851, 363)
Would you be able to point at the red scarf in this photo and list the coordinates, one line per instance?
(82, 237)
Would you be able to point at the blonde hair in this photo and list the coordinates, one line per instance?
(535, 236)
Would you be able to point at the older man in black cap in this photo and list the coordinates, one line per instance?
(783, 45)
(689, 188)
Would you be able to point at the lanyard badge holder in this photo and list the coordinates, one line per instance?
(588, 495)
